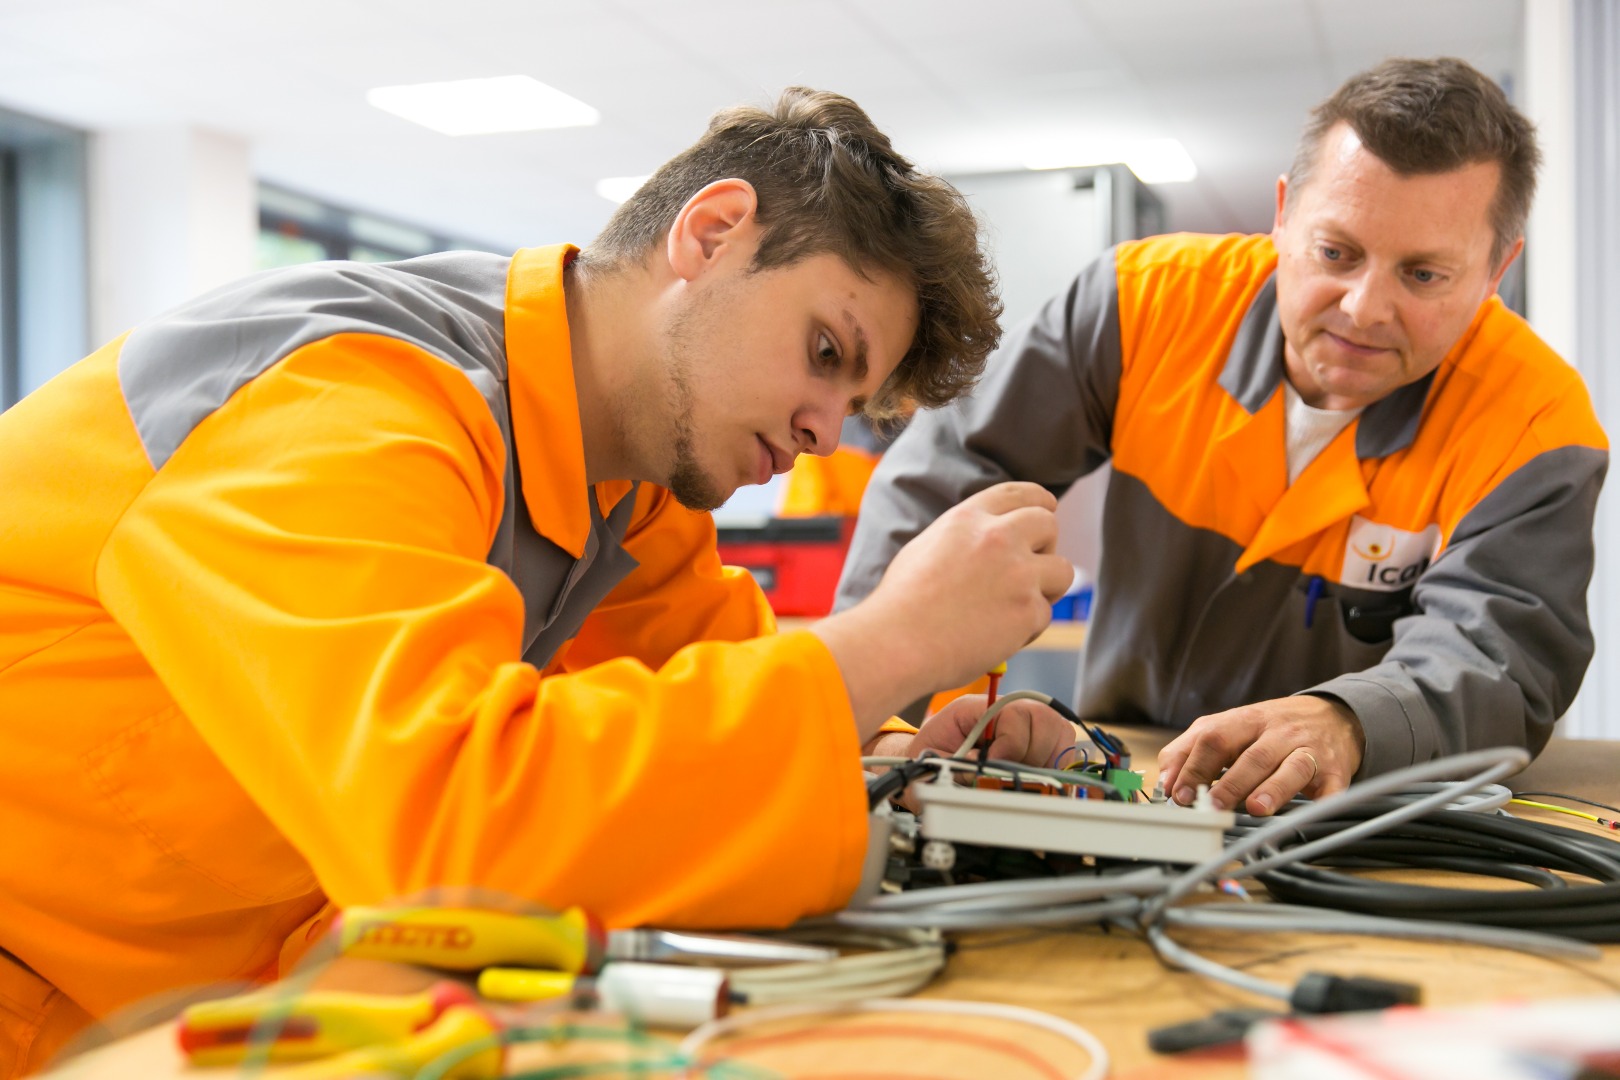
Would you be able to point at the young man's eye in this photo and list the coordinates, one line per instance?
(1331, 254)
(1425, 277)
(826, 352)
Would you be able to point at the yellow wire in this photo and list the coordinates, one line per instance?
(1559, 809)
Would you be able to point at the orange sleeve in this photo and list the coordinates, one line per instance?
(679, 593)
(306, 575)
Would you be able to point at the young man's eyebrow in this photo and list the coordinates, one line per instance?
(859, 335)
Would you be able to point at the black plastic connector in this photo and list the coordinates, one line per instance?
(1319, 992)
(1224, 1028)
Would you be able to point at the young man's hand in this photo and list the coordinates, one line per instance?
(967, 592)
(1027, 732)
(1271, 751)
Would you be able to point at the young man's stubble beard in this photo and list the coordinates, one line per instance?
(692, 487)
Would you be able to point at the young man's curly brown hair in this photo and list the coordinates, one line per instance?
(828, 180)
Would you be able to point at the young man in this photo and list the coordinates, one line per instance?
(1349, 525)
(349, 582)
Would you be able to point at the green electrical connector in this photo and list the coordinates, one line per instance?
(1126, 782)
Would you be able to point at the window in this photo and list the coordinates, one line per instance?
(10, 377)
(44, 305)
(296, 228)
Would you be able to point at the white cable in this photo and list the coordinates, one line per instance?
(904, 960)
(990, 714)
(716, 1029)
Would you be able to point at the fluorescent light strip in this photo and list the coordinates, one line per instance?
(484, 106)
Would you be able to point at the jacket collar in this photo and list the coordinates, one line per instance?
(1254, 372)
(546, 433)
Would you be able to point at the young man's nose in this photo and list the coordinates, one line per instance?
(818, 429)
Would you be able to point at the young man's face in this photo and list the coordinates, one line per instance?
(1378, 274)
(763, 366)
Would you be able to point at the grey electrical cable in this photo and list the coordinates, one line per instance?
(1146, 896)
(1275, 917)
(1175, 955)
(1026, 893)
(1493, 764)
(996, 918)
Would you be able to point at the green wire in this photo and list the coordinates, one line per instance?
(667, 1061)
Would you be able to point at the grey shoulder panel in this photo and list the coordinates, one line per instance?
(176, 370)
(1254, 366)
(1391, 423)
(1043, 412)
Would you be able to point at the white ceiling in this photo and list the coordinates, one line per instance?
(961, 85)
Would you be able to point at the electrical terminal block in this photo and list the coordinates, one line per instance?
(1023, 786)
(1126, 781)
(1164, 833)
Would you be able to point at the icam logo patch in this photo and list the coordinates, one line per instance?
(1383, 558)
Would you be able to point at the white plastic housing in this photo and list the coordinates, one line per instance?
(664, 995)
(1162, 832)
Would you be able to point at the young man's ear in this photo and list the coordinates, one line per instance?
(716, 223)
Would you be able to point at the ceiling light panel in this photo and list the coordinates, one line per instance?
(484, 106)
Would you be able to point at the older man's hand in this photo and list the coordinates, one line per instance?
(1271, 751)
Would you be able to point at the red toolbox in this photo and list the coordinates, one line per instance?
(795, 560)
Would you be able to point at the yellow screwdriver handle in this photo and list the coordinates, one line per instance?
(462, 939)
(276, 1024)
(524, 984)
(459, 1028)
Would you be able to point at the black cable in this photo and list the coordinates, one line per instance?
(1531, 852)
(895, 780)
(1112, 747)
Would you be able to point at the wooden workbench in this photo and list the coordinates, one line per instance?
(1109, 983)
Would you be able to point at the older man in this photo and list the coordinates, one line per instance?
(1350, 521)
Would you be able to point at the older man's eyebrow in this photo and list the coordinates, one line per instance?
(859, 335)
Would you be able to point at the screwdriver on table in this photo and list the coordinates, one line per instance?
(396, 1033)
(278, 1025)
(463, 939)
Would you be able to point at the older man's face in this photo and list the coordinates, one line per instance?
(1379, 274)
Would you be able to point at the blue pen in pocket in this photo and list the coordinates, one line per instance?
(1313, 593)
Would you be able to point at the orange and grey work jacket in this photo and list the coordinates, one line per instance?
(303, 594)
(1428, 568)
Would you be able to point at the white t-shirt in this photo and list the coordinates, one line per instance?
(1310, 430)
